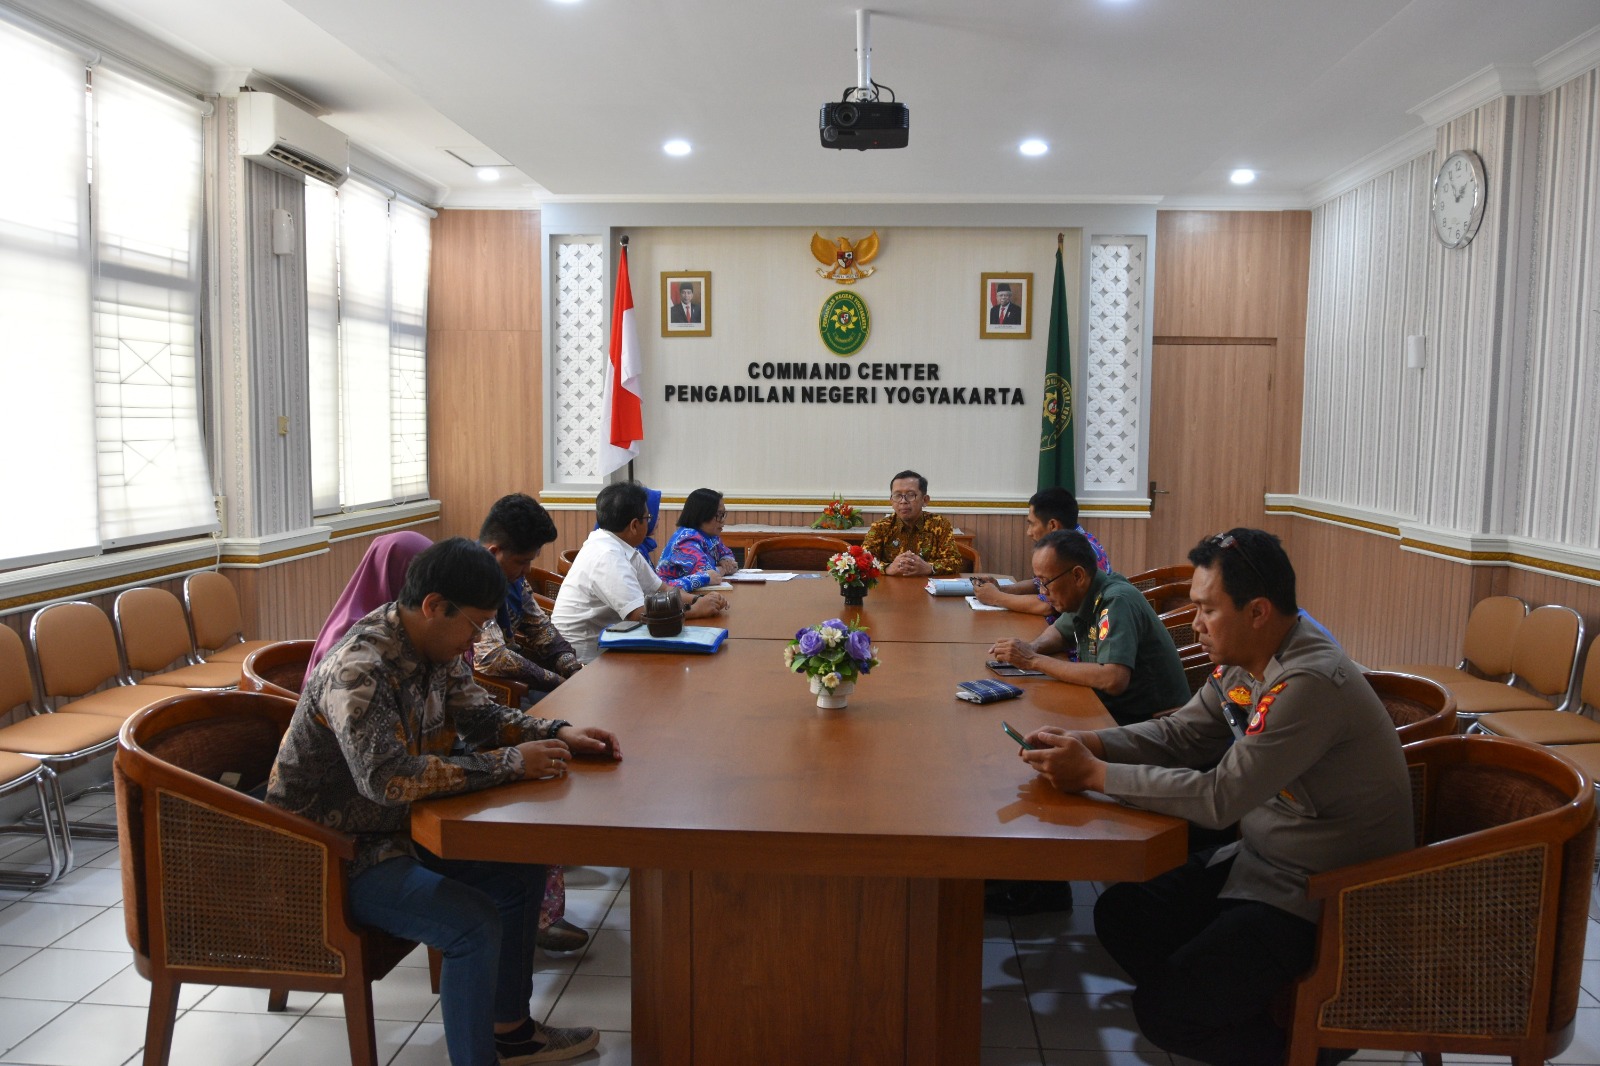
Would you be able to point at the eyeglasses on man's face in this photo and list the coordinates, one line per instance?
(477, 627)
(904, 497)
(720, 516)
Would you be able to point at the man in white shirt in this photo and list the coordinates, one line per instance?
(609, 579)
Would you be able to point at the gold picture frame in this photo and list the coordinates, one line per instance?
(1005, 302)
(693, 319)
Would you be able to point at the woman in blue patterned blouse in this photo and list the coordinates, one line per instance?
(695, 555)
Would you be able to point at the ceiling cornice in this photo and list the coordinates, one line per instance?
(1475, 90)
(1400, 150)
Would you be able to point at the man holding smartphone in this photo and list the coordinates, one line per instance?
(1287, 739)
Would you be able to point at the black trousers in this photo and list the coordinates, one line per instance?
(1205, 970)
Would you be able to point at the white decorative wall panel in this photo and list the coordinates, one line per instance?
(1114, 365)
(580, 350)
(1560, 475)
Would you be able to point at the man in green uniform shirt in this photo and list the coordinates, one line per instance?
(1124, 652)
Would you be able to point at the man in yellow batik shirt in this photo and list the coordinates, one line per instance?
(910, 542)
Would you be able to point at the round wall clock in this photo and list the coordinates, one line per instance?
(1458, 198)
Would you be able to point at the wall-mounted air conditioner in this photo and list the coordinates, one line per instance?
(274, 132)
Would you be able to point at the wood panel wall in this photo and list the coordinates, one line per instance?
(485, 394)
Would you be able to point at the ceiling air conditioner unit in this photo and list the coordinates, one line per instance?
(274, 132)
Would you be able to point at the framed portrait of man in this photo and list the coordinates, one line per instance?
(686, 304)
(1007, 307)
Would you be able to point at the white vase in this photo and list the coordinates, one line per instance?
(832, 701)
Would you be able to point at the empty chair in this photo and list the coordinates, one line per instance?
(221, 888)
(1180, 627)
(278, 669)
(1418, 707)
(153, 634)
(1544, 663)
(1486, 649)
(1168, 597)
(1161, 575)
(77, 654)
(795, 551)
(20, 770)
(564, 560)
(215, 621)
(971, 561)
(1473, 941)
(544, 582)
(1577, 734)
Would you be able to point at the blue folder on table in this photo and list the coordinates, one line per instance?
(701, 639)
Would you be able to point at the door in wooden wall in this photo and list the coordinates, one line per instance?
(1209, 442)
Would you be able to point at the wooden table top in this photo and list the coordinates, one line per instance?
(897, 609)
(730, 765)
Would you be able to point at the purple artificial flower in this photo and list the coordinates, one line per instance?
(810, 642)
(836, 623)
(860, 646)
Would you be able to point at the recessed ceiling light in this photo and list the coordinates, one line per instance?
(1242, 176)
(487, 173)
(1033, 146)
(677, 147)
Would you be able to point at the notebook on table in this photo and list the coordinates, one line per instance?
(701, 639)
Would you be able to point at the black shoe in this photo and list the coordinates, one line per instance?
(1009, 899)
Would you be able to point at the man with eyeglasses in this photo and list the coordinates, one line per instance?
(1124, 652)
(1288, 740)
(391, 716)
(910, 542)
(610, 579)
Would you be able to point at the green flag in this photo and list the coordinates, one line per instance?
(1057, 465)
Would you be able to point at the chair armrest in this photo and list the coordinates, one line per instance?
(1423, 859)
(505, 690)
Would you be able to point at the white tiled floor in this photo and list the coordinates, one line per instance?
(69, 995)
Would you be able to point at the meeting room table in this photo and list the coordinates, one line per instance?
(807, 885)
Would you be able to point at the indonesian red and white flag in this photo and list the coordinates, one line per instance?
(622, 429)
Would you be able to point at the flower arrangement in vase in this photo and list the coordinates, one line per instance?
(838, 515)
(856, 570)
(832, 654)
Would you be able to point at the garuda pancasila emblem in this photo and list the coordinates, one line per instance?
(845, 263)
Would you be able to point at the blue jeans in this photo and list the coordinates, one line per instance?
(483, 917)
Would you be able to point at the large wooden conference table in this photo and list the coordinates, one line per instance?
(807, 886)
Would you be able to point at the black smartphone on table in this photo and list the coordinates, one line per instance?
(1008, 670)
(624, 627)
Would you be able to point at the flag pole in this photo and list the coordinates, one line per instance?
(623, 241)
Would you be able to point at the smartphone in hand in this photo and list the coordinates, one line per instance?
(1016, 736)
(1008, 670)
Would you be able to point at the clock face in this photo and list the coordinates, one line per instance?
(1458, 199)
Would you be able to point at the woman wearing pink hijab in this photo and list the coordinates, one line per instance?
(377, 581)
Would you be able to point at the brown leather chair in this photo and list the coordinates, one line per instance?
(1586, 755)
(794, 551)
(1486, 648)
(153, 634)
(1472, 942)
(1161, 575)
(1418, 707)
(20, 770)
(1171, 596)
(215, 622)
(1532, 703)
(80, 667)
(564, 561)
(278, 669)
(220, 888)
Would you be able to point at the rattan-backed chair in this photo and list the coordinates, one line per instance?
(564, 560)
(795, 551)
(1473, 941)
(971, 561)
(1180, 627)
(215, 622)
(1486, 648)
(1542, 685)
(279, 668)
(1171, 596)
(1418, 707)
(1161, 575)
(1197, 666)
(221, 888)
(153, 634)
(546, 583)
(506, 691)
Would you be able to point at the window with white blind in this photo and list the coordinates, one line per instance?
(100, 273)
(367, 282)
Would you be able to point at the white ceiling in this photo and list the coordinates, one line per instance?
(1146, 99)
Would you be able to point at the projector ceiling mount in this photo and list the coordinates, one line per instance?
(860, 119)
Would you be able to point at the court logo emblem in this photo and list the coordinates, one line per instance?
(844, 323)
(1057, 414)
